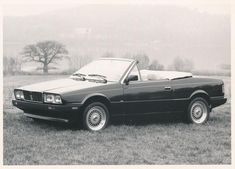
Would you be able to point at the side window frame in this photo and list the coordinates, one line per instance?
(139, 75)
(139, 72)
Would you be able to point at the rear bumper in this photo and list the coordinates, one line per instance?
(63, 113)
(217, 101)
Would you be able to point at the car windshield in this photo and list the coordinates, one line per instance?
(110, 69)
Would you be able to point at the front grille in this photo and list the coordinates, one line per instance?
(33, 96)
(27, 95)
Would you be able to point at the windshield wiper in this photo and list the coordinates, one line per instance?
(97, 75)
(100, 76)
(80, 75)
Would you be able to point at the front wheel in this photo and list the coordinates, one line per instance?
(95, 116)
(198, 111)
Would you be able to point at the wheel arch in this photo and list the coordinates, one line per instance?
(96, 97)
(201, 93)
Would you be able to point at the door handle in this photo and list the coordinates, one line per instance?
(167, 88)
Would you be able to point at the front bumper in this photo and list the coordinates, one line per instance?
(217, 101)
(64, 113)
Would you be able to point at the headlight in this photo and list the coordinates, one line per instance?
(19, 94)
(52, 98)
(58, 99)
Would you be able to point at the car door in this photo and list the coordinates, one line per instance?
(148, 97)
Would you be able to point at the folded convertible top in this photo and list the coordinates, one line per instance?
(157, 75)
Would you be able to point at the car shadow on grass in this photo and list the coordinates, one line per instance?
(130, 121)
(60, 126)
(148, 120)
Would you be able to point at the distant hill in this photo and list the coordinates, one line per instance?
(162, 32)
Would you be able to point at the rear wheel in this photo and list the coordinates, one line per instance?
(198, 111)
(95, 116)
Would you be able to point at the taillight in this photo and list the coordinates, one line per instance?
(222, 88)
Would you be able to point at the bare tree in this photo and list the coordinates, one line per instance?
(180, 64)
(108, 55)
(188, 65)
(11, 65)
(45, 52)
(142, 58)
(155, 65)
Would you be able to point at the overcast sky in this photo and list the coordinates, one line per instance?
(33, 7)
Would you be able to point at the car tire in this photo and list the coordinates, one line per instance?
(95, 116)
(198, 111)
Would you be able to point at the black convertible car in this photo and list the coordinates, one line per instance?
(111, 87)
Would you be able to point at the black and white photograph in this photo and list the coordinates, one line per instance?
(116, 82)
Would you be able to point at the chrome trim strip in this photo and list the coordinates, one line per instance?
(217, 97)
(156, 100)
(46, 118)
(143, 114)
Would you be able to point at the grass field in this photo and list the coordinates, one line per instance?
(152, 142)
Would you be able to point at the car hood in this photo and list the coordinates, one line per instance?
(61, 85)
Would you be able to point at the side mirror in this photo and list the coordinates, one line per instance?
(131, 78)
